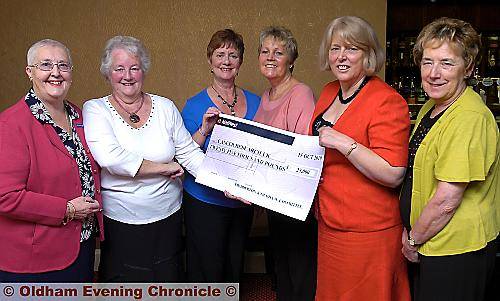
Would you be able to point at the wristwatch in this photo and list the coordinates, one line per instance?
(354, 145)
(411, 241)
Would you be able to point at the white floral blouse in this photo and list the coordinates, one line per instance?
(75, 148)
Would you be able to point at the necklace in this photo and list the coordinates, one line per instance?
(350, 98)
(134, 118)
(229, 105)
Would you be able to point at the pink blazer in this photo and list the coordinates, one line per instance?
(37, 178)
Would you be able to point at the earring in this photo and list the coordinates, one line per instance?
(212, 71)
(31, 79)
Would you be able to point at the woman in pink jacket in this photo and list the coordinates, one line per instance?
(288, 104)
(50, 209)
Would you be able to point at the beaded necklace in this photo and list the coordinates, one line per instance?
(227, 104)
(347, 100)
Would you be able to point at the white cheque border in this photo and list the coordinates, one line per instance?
(279, 176)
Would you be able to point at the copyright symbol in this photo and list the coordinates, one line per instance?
(230, 291)
(8, 291)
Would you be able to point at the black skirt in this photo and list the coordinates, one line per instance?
(142, 253)
(462, 277)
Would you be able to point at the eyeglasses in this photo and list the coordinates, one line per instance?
(48, 65)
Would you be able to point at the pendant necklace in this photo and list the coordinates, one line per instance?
(229, 105)
(134, 118)
(350, 98)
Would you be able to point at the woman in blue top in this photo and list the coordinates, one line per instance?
(216, 227)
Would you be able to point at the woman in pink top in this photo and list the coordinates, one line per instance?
(288, 105)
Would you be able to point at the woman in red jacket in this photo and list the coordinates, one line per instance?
(49, 184)
(363, 124)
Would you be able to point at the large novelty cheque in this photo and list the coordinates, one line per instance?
(272, 168)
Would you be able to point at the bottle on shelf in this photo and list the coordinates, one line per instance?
(492, 59)
(402, 60)
(474, 80)
(411, 45)
(388, 55)
(421, 96)
(412, 92)
(404, 86)
(490, 90)
(492, 93)
(498, 89)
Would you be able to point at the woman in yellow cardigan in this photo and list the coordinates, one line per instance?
(450, 196)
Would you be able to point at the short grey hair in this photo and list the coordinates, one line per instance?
(359, 33)
(284, 35)
(33, 50)
(130, 44)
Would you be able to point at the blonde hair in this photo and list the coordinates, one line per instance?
(359, 33)
(460, 34)
(284, 35)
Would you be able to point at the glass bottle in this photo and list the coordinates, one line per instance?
(412, 92)
(388, 59)
(492, 57)
(498, 90)
(490, 89)
(473, 81)
(421, 97)
(401, 63)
